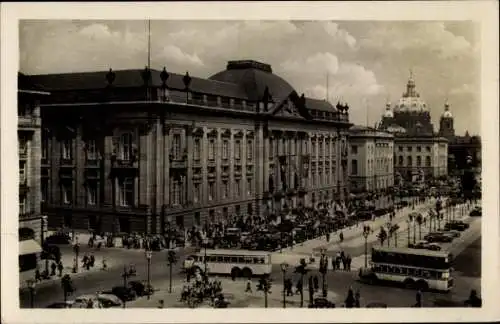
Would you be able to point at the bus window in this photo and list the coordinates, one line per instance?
(234, 259)
(248, 260)
(226, 259)
(220, 259)
(403, 270)
(256, 260)
(212, 258)
(397, 270)
(418, 272)
(426, 274)
(411, 271)
(262, 260)
(241, 260)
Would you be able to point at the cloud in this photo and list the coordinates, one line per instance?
(333, 30)
(175, 55)
(318, 63)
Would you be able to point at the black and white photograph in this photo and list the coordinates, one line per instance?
(190, 164)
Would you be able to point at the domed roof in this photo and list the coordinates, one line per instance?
(447, 113)
(410, 101)
(396, 129)
(254, 77)
(388, 111)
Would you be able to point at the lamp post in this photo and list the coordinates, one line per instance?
(366, 232)
(149, 254)
(205, 243)
(389, 231)
(409, 230)
(76, 248)
(125, 276)
(31, 286)
(44, 225)
(284, 268)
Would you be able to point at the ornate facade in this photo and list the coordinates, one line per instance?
(420, 154)
(138, 151)
(31, 222)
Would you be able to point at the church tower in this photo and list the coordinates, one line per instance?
(446, 128)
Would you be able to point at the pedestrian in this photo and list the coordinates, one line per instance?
(357, 299)
(249, 286)
(92, 260)
(53, 269)
(289, 285)
(85, 260)
(38, 275)
(60, 267)
(316, 283)
(349, 301)
(104, 265)
(161, 303)
(299, 287)
(418, 297)
(348, 262)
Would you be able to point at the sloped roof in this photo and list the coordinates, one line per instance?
(133, 79)
(253, 77)
(25, 82)
(318, 104)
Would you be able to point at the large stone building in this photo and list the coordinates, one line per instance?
(459, 147)
(420, 153)
(372, 167)
(31, 222)
(136, 150)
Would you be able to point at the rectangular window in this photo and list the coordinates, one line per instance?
(66, 149)
(314, 148)
(127, 197)
(45, 148)
(419, 148)
(400, 148)
(211, 190)
(327, 149)
(196, 193)
(354, 149)
(409, 161)
(22, 172)
(197, 149)
(409, 148)
(237, 150)
(427, 161)
(237, 187)
(211, 149)
(67, 193)
(225, 149)
(225, 189)
(250, 209)
(400, 160)
(176, 192)
(91, 150)
(249, 186)
(44, 187)
(176, 146)
(271, 148)
(354, 167)
(249, 150)
(419, 160)
(237, 210)
(23, 145)
(428, 148)
(92, 193)
(126, 146)
(22, 205)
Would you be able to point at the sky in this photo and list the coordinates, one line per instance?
(367, 63)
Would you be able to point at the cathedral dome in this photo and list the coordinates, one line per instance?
(411, 101)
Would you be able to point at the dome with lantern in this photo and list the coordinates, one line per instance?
(447, 113)
(411, 101)
(388, 113)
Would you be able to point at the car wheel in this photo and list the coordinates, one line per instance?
(235, 272)
(422, 285)
(409, 284)
(247, 273)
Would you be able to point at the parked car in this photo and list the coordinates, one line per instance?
(58, 238)
(321, 303)
(438, 237)
(83, 301)
(477, 211)
(419, 245)
(453, 233)
(433, 247)
(139, 288)
(51, 252)
(456, 225)
(66, 304)
(109, 300)
(125, 294)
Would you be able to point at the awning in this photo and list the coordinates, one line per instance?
(29, 247)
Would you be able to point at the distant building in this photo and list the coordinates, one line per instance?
(142, 151)
(459, 147)
(31, 221)
(420, 154)
(371, 165)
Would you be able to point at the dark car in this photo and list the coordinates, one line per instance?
(139, 288)
(51, 252)
(125, 294)
(322, 303)
(438, 237)
(456, 225)
(476, 212)
(58, 238)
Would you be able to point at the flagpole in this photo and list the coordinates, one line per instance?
(149, 43)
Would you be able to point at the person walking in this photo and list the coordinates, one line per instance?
(60, 267)
(418, 298)
(53, 269)
(350, 301)
(249, 286)
(357, 299)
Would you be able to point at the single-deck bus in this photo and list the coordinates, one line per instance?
(234, 262)
(414, 268)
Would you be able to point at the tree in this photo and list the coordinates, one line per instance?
(382, 236)
(264, 285)
(302, 270)
(172, 259)
(419, 220)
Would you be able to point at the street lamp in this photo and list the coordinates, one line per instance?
(149, 254)
(366, 232)
(284, 268)
(205, 243)
(389, 231)
(44, 225)
(31, 286)
(76, 248)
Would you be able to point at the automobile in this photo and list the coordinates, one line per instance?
(66, 304)
(125, 294)
(58, 238)
(419, 245)
(477, 211)
(453, 233)
(438, 237)
(321, 303)
(456, 225)
(109, 300)
(83, 302)
(50, 252)
(433, 247)
(140, 288)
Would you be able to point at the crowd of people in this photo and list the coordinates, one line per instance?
(200, 289)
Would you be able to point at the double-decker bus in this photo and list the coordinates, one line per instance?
(237, 263)
(414, 268)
